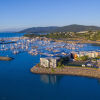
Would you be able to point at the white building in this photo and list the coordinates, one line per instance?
(91, 54)
(44, 62)
(49, 62)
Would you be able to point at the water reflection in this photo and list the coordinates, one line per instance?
(55, 79)
(98, 80)
(50, 79)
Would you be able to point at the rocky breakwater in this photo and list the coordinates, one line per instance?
(75, 71)
(5, 58)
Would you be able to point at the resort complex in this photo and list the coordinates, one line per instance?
(89, 61)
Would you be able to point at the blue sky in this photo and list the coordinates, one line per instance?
(30, 13)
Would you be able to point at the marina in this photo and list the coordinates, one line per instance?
(16, 77)
(49, 50)
(43, 46)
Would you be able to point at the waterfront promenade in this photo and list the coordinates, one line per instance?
(75, 71)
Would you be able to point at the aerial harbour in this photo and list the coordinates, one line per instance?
(49, 50)
(45, 47)
(26, 54)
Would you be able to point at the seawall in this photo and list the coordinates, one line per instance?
(75, 71)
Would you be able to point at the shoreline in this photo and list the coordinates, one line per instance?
(78, 41)
(81, 41)
(73, 71)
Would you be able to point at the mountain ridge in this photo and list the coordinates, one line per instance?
(39, 29)
(68, 28)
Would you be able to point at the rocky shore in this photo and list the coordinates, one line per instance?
(75, 71)
(6, 58)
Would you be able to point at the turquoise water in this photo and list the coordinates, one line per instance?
(18, 83)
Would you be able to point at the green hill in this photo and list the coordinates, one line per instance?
(69, 28)
(88, 35)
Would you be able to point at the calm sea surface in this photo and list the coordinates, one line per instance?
(8, 35)
(18, 83)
